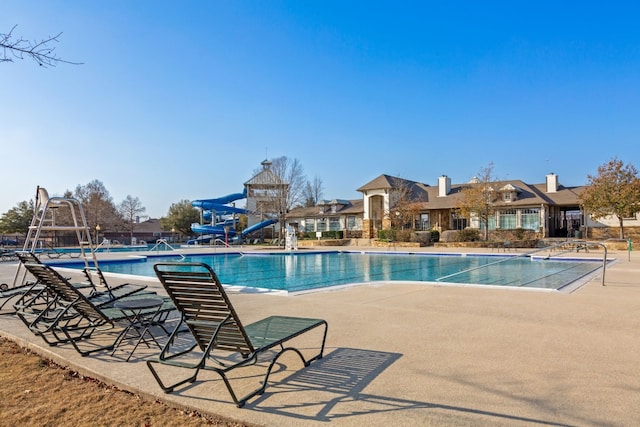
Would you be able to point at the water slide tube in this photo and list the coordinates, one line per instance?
(258, 226)
(220, 206)
(218, 231)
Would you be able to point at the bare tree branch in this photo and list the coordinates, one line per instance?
(40, 51)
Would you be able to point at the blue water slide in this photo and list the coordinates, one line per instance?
(258, 226)
(216, 230)
(220, 209)
(219, 201)
(219, 205)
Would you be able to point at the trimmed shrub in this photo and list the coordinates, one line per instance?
(469, 235)
(334, 234)
(385, 235)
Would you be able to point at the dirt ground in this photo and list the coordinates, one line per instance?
(38, 392)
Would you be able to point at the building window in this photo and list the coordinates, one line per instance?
(334, 224)
(423, 222)
(351, 222)
(309, 225)
(491, 223)
(530, 219)
(321, 224)
(507, 196)
(508, 219)
(458, 222)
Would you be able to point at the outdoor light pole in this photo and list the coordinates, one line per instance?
(98, 228)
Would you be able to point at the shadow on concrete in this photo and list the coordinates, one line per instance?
(336, 385)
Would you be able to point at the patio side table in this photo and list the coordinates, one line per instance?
(140, 313)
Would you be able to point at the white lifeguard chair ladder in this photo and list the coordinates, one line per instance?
(73, 222)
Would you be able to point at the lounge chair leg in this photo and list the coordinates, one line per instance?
(170, 388)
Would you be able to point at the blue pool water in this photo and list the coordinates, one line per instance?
(297, 272)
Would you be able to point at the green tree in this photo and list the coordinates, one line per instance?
(614, 191)
(17, 219)
(130, 210)
(180, 217)
(480, 198)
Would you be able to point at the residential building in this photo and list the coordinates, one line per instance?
(548, 209)
(335, 215)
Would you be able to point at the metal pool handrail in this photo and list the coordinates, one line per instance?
(577, 244)
(167, 245)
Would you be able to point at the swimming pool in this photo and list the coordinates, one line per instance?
(299, 272)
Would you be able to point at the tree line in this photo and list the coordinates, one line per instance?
(98, 205)
(101, 210)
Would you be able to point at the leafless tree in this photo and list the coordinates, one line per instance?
(41, 51)
(283, 187)
(481, 197)
(287, 188)
(291, 172)
(313, 192)
(130, 210)
(98, 206)
(404, 205)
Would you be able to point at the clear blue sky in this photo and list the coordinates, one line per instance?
(183, 99)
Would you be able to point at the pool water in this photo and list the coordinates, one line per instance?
(297, 272)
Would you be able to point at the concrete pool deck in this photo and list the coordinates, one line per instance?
(411, 354)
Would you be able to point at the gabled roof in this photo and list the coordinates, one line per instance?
(333, 202)
(416, 190)
(353, 207)
(510, 187)
(386, 182)
(564, 196)
(265, 177)
(528, 194)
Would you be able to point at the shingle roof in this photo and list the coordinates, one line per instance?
(428, 196)
(354, 207)
(385, 181)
